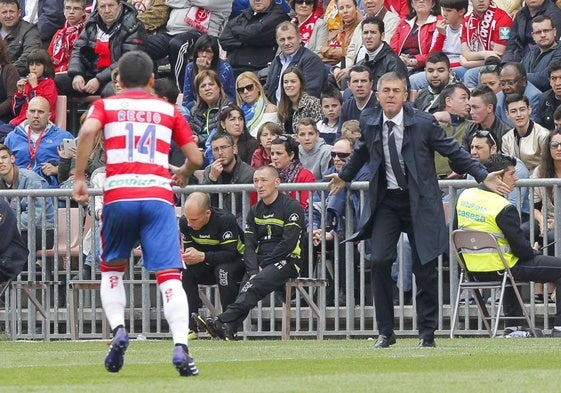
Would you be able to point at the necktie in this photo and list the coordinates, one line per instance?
(394, 157)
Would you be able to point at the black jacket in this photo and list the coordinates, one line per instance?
(128, 34)
(385, 61)
(13, 252)
(315, 73)
(250, 39)
(547, 105)
(520, 33)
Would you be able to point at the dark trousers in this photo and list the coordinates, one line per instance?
(226, 275)
(64, 86)
(269, 279)
(541, 268)
(178, 47)
(392, 217)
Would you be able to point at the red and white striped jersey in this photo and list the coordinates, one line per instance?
(137, 131)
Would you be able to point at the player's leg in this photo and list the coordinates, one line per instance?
(159, 237)
(118, 237)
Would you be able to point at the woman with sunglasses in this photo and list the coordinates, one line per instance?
(206, 53)
(312, 27)
(295, 103)
(489, 74)
(251, 98)
(267, 132)
(205, 112)
(232, 123)
(284, 157)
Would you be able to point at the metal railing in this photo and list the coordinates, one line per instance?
(349, 313)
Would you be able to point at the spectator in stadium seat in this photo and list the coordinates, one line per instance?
(360, 85)
(309, 20)
(210, 99)
(14, 178)
(112, 30)
(48, 16)
(8, 79)
(377, 55)
(34, 142)
(13, 252)
(540, 55)
(513, 80)
(489, 74)
(206, 53)
(265, 135)
(62, 43)
(551, 99)
(251, 98)
(521, 36)
(285, 158)
(526, 140)
(334, 48)
(314, 153)
(482, 39)
(482, 104)
(415, 36)
(227, 168)
(295, 103)
(438, 76)
(188, 20)
(21, 37)
(293, 53)
(249, 38)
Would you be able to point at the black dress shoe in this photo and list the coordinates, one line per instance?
(427, 343)
(384, 341)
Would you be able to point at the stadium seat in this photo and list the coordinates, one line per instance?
(469, 241)
(302, 284)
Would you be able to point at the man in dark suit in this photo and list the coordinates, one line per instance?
(399, 142)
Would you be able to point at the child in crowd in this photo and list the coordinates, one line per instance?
(265, 135)
(331, 102)
(351, 130)
(62, 43)
(314, 153)
(39, 82)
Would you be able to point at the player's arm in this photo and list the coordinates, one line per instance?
(85, 146)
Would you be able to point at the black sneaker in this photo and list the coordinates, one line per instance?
(217, 329)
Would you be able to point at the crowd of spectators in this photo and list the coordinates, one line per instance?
(277, 82)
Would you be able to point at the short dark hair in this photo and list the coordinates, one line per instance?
(374, 20)
(448, 91)
(519, 67)
(331, 92)
(4, 147)
(16, 2)
(306, 121)
(455, 4)
(438, 57)
(542, 18)
(555, 65)
(165, 88)
(486, 94)
(515, 97)
(499, 162)
(220, 135)
(135, 69)
(492, 66)
(361, 68)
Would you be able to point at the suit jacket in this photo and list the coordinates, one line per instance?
(422, 136)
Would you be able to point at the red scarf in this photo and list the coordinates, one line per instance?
(102, 49)
(62, 44)
(306, 28)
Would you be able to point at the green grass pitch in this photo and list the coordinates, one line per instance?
(459, 365)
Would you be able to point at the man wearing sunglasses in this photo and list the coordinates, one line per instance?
(335, 220)
(292, 52)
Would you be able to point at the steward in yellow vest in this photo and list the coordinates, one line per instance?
(484, 210)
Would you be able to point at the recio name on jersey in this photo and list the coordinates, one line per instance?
(139, 116)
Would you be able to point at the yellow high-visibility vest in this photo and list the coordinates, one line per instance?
(477, 210)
